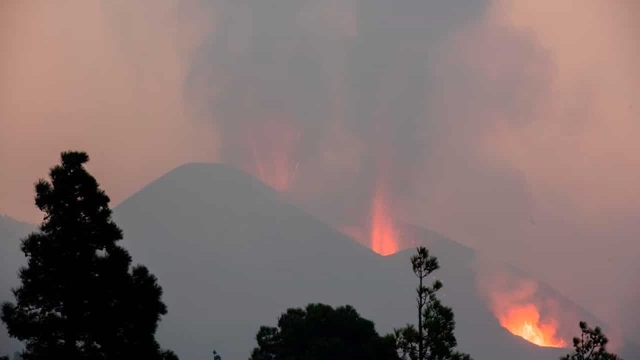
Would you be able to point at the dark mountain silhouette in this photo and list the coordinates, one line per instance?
(232, 255)
(11, 258)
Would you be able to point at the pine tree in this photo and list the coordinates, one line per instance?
(79, 297)
(434, 339)
(591, 345)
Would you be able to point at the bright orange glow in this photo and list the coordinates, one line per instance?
(272, 148)
(384, 235)
(521, 308)
(524, 321)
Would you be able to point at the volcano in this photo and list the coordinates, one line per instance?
(232, 254)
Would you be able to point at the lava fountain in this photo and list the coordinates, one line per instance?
(384, 234)
(521, 308)
(272, 146)
(524, 321)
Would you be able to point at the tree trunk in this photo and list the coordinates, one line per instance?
(420, 305)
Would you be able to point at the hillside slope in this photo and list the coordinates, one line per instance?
(231, 256)
(11, 258)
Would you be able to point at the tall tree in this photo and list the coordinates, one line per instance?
(434, 339)
(79, 297)
(321, 332)
(591, 345)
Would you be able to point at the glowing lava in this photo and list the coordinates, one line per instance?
(524, 321)
(272, 148)
(384, 235)
(521, 307)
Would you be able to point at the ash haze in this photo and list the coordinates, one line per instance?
(508, 125)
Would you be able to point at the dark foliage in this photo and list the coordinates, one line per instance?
(591, 345)
(216, 356)
(434, 339)
(79, 297)
(321, 332)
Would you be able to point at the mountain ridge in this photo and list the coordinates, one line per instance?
(232, 254)
(11, 259)
(249, 233)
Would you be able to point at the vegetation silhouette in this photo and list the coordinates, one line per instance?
(591, 345)
(434, 339)
(322, 332)
(216, 356)
(79, 297)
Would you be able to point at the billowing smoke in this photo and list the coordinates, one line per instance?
(351, 82)
(574, 145)
(500, 123)
(508, 125)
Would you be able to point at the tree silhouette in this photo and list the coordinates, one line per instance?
(322, 332)
(79, 297)
(591, 345)
(434, 339)
(216, 356)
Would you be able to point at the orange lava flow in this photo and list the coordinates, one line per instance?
(384, 235)
(524, 321)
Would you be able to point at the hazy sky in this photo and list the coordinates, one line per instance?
(508, 125)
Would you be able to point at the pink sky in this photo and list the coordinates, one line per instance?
(69, 81)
